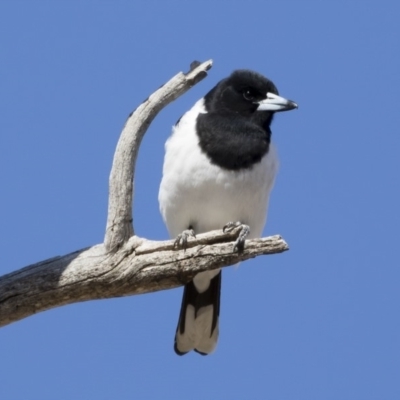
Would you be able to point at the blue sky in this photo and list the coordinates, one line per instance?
(318, 322)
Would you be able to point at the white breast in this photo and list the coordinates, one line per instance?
(195, 192)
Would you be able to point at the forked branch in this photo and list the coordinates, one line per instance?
(125, 264)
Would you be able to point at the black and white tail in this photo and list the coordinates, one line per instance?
(198, 324)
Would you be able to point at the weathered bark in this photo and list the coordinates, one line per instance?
(139, 266)
(125, 264)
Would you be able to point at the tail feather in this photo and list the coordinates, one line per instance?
(198, 324)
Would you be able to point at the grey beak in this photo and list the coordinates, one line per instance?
(275, 103)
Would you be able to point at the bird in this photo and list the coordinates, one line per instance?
(218, 172)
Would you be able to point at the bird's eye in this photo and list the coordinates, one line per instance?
(249, 94)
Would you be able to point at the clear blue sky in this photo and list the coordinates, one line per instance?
(321, 321)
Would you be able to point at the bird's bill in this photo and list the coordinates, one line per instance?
(273, 102)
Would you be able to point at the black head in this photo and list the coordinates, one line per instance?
(245, 92)
(235, 131)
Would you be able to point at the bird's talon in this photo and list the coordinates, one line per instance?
(182, 239)
(238, 246)
(230, 225)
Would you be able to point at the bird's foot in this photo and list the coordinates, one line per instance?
(244, 232)
(182, 238)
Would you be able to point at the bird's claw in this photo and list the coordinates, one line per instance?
(182, 239)
(244, 232)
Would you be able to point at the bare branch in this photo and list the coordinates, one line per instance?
(140, 266)
(120, 222)
(125, 264)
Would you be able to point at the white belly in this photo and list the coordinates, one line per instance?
(195, 192)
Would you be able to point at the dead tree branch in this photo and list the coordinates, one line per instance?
(139, 266)
(125, 264)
